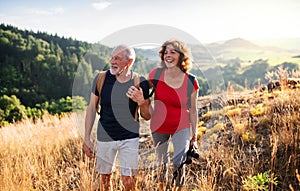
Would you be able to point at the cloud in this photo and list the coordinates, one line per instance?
(53, 11)
(101, 5)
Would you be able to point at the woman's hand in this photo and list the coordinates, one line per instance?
(193, 142)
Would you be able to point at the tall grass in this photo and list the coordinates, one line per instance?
(44, 155)
(259, 134)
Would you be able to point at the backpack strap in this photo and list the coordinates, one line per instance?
(100, 81)
(155, 80)
(191, 80)
(136, 79)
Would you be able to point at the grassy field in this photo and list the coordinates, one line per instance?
(249, 144)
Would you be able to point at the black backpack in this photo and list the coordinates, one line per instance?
(190, 84)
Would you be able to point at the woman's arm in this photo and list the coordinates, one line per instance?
(194, 117)
(136, 94)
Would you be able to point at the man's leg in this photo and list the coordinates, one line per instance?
(177, 188)
(128, 183)
(105, 182)
(106, 156)
(128, 159)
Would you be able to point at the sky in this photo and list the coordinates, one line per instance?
(206, 20)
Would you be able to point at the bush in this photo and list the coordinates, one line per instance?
(11, 109)
(78, 103)
(260, 182)
(65, 105)
(34, 113)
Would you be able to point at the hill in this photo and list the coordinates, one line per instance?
(259, 133)
(285, 43)
(245, 50)
(38, 67)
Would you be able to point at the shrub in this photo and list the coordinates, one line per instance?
(260, 182)
(64, 105)
(11, 109)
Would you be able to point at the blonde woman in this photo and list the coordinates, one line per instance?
(174, 115)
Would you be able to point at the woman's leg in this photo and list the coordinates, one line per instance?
(161, 142)
(181, 141)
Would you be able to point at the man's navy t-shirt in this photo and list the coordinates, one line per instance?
(117, 110)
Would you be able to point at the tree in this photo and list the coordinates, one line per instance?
(11, 109)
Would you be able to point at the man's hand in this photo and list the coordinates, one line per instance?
(88, 149)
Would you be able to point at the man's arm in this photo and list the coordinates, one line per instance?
(89, 122)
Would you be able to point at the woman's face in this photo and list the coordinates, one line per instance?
(171, 56)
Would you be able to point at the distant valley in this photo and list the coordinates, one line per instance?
(275, 51)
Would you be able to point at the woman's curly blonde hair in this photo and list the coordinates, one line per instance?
(184, 62)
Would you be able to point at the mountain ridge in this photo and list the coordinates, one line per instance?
(243, 49)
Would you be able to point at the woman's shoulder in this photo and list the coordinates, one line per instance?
(190, 74)
(155, 69)
(192, 78)
(154, 72)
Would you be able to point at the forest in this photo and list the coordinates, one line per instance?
(40, 71)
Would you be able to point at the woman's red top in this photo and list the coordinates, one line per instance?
(171, 113)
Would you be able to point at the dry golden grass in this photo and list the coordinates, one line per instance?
(46, 155)
(262, 133)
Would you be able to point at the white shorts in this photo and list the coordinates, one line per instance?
(126, 151)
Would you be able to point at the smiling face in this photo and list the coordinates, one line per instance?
(175, 53)
(171, 56)
(119, 61)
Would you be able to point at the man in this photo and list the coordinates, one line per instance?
(118, 130)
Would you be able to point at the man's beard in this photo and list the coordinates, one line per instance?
(118, 72)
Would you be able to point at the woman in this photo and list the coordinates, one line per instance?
(174, 113)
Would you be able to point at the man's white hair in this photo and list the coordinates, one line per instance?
(129, 52)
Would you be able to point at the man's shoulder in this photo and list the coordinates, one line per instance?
(138, 75)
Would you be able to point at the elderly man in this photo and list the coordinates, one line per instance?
(118, 126)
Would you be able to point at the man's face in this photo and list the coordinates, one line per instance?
(118, 61)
